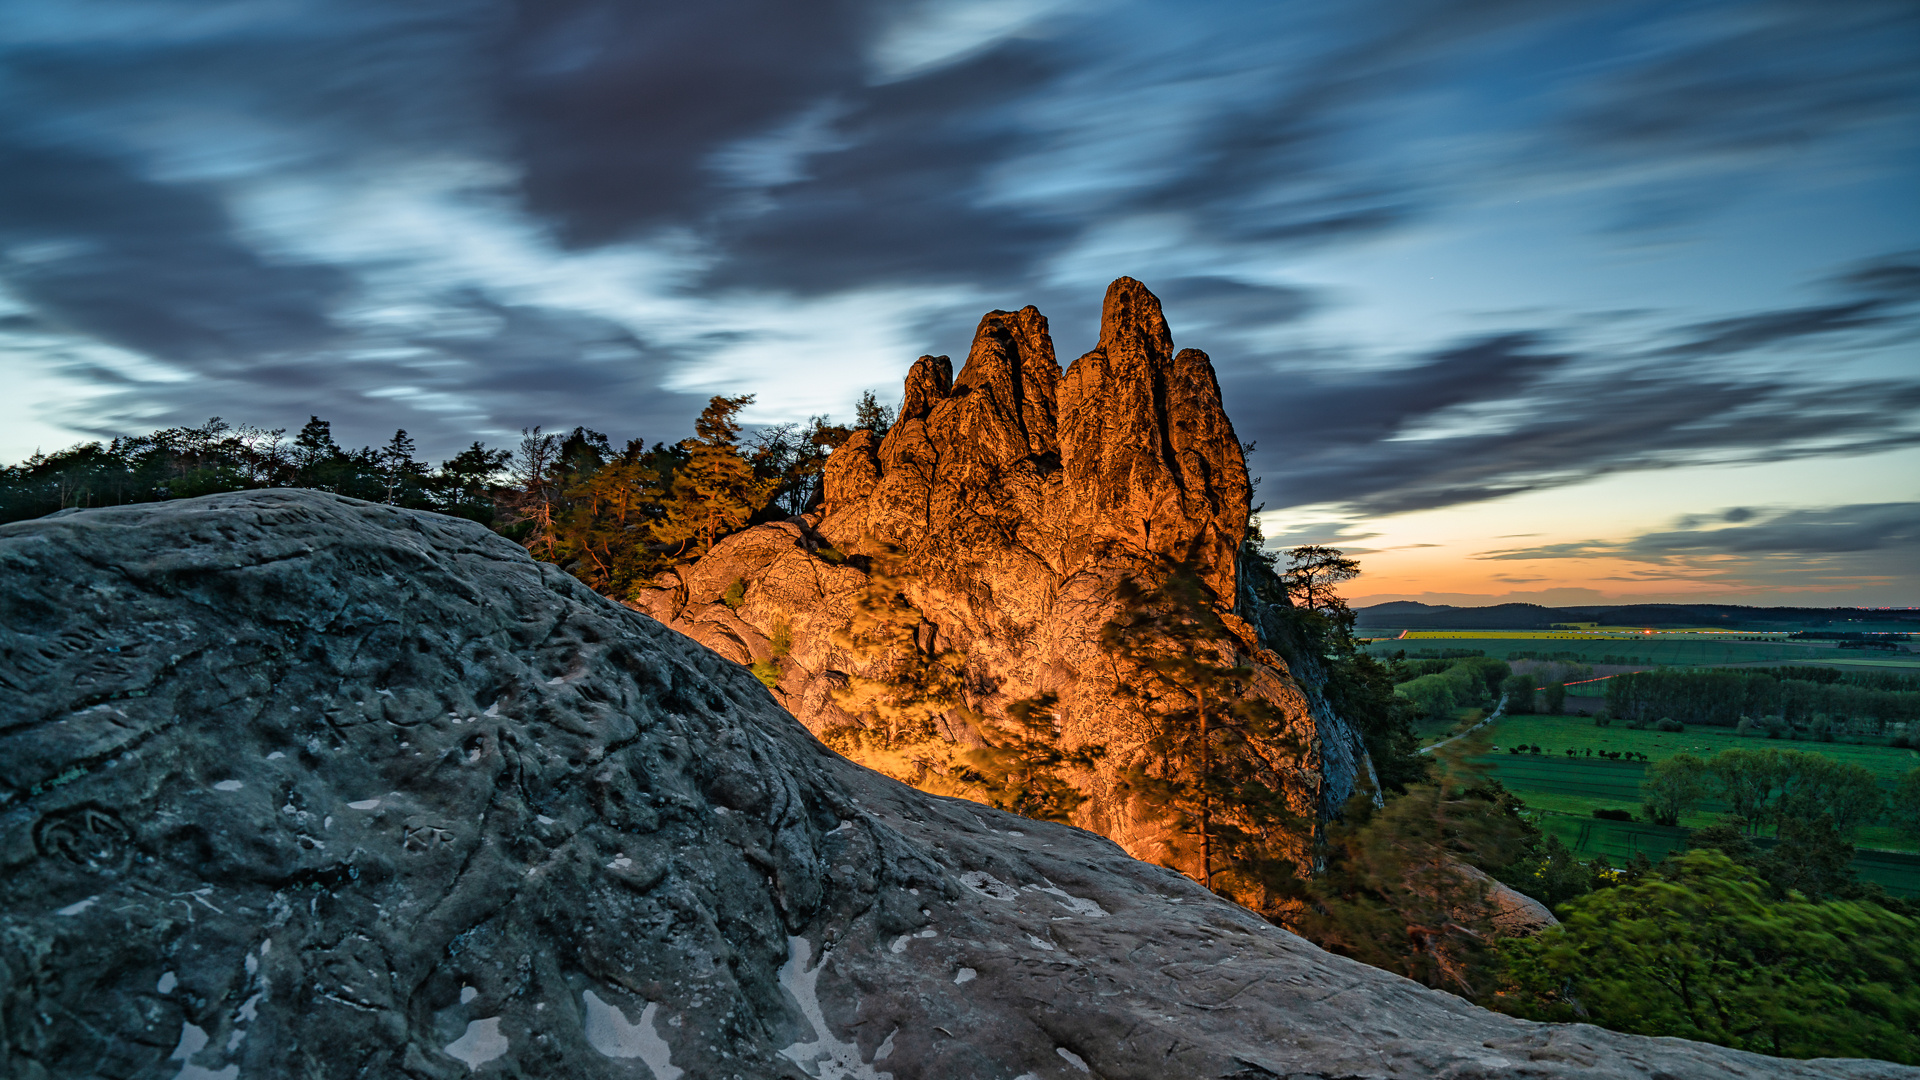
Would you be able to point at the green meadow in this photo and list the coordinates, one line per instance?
(1565, 791)
(1670, 650)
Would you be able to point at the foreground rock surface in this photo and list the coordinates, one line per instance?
(298, 786)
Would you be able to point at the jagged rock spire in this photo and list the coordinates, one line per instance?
(1130, 448)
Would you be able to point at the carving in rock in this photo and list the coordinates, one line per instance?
(87, 836)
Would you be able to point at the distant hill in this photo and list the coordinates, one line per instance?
(1410, 615)
(1406, 607)
(1406, 615)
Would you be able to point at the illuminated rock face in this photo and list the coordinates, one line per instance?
(293, 785)
(1019, 497)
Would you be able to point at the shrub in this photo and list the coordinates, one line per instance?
(1667, 723)
(736, 594)
(1518, 690)
(1556, 697)
(1700, 950)
(1613, 815)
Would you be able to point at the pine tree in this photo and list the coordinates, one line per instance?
(533, 473)
(1211, 765)
(715, 491)
(1019, 769)
(463, 484)
(1311, 574)
(870, 415)
(906, 683)
(400, 473)
(605, 530)
(318, 460)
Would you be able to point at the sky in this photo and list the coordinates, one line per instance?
(1542, 300)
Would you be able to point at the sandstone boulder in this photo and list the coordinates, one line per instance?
(293, 785)
(1013, 500)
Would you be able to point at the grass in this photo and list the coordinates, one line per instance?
(1565, 791)
(1674, 650)
(1431, 731)
(1555, 734)
(1619, 841)
(1609, 633)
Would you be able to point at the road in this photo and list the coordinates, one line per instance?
(1491, 717)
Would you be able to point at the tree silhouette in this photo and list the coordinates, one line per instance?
(1310, 577)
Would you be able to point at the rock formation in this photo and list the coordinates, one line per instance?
(1012, 501)
(293, 785)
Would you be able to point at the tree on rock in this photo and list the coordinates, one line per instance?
(1212, 764)
(1310, 577)
(605, 532)
(1019, 770)
(716, 490)
(904, 683)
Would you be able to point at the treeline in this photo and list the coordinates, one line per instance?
(1777, 787)
(1576, 657)
(184, 462)
(1706, 946)
(610, 516)
(1782, 698)
(1439, 688)
(615, 517)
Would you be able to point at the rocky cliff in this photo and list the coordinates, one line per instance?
(1010, 503)
(297, 786)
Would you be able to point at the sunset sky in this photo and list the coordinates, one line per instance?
(1544, 300)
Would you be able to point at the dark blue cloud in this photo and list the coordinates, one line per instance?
(1522, 411)
(154, 268)
(1236, 138)
(1808, 532)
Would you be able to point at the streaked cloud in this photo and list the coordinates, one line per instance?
(1444, 252)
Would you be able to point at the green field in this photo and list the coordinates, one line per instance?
(1430, 730)
(1566, 791)
(1660, 649)
(1897, 872)
(1557, 734)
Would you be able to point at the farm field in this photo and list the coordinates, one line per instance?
(1557, 734)
(1619, 841)
(1610, 633)
(1673, 650)
(1566, 791)
(1431, 731)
